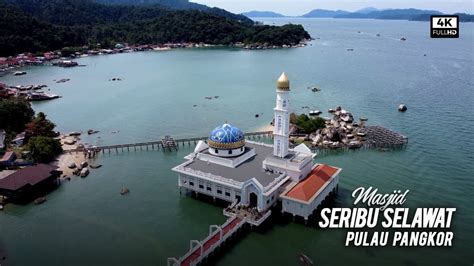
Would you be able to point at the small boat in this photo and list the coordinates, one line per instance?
(1, 207)
(91, 131)
(74, 133)
(84, 164)
(315, 89)
(305, 260)
(39, 200)
(361, 134)
(41, 96)
(315, 113)
(350, 49)
(331, 110)
(95, 166)
(363, 119)
(378, 34)
(19, 73)
(403, 39)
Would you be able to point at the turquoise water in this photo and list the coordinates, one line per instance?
(87, 221)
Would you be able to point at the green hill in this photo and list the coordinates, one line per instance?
(41, 25)
(178, 5)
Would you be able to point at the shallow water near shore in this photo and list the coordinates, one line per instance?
(87, 221)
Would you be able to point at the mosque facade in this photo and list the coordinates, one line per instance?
(259, 175)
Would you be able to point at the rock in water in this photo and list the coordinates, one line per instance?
(402, 108)
(124, 191)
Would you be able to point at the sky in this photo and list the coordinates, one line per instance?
(299, 7)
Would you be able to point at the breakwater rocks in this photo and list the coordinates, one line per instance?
(343, 132)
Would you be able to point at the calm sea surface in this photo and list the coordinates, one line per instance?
(87, 221)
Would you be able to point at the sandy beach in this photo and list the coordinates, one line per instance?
(66, 158)
(266, 127)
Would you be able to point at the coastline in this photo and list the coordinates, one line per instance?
(66, 158)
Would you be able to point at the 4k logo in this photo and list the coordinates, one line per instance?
(445, 26)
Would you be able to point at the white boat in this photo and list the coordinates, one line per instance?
(41, 96)
(19, 73)
(315, 112)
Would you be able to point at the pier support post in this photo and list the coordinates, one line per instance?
(197, 243)
(172, 262)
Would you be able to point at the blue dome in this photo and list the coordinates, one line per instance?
(226, 137)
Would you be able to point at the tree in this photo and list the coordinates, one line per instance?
(44, 149)
(40, 126)
(306, 124)
(14, 114)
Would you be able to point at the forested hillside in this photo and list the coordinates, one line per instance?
(41, 25)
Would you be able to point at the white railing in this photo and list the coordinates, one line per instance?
(198, 173)
(274, 182)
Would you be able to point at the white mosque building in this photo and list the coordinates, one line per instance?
(258, 175)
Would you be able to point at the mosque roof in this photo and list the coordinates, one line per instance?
(226, 136)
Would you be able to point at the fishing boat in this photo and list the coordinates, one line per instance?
(19, 73)
(40, 200)
(315, 112)
(41, 96)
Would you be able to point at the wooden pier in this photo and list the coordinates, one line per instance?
(375, 137)
(166, 144)
(200, 250)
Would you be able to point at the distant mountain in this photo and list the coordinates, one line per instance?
(406, 14)
(262, 14)
(179, 5)
(324, 13)
(367, 10)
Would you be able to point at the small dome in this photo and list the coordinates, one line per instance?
(283, 83)
(226, 137)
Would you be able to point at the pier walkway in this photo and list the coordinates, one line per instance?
(166, 144)
(199, 250)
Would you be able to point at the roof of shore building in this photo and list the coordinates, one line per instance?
(318, 177)
(31, 175)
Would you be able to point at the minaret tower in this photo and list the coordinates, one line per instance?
(281, 125)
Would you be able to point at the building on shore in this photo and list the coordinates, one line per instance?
(7, 159)
(257, 176)
(26, 183)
